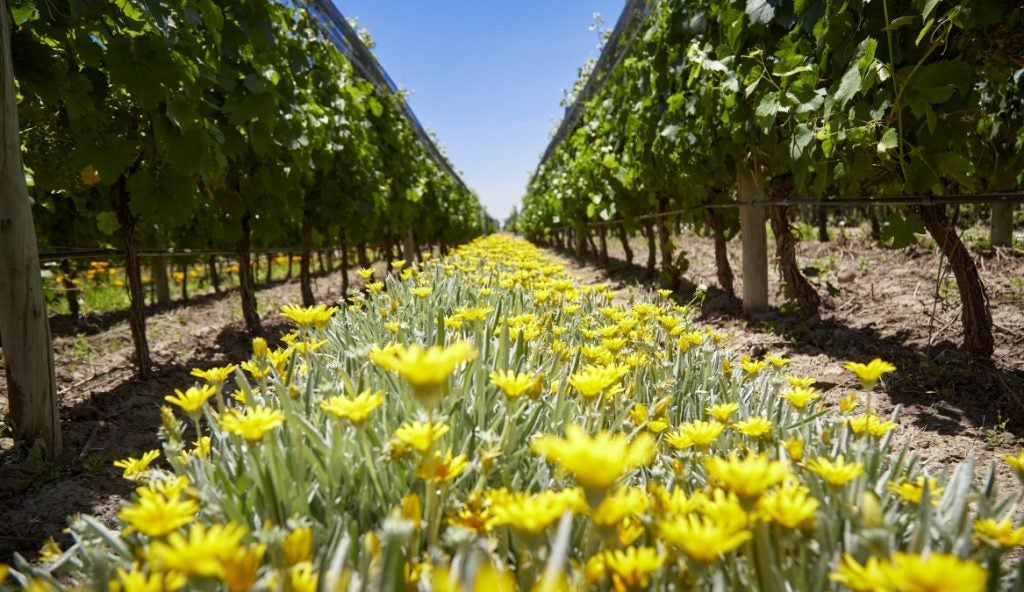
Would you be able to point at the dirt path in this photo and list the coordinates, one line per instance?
(107, 414)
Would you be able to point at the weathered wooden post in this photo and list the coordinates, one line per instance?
(754, 238)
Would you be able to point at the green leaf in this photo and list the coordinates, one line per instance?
(890, 139)
(375, 107)
(111, 157)
(761, 12)
(802, 138)
(899, 232)
(901, 21)
(609, 161)
(956, 167)
(848, 85)
(106, 222)
(767, 109)
(929, 6)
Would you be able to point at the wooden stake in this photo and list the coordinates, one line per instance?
(754, 237)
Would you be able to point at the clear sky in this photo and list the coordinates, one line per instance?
(486, 75)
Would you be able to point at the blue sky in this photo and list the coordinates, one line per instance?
(487, 76)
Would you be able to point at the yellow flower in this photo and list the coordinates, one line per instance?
(595, 380)
(419, 435)
(215, 376)
(997, 534)
(355, 409)
(777, 361)
(619, 505)
(312, 316)
(790, 506)
(202, 553)
(847, 403)
(426, 370)
(800, 396)
(752, 367)
(303, 578)
(748, 478)
(398, 264)
(598, 461)
(702, 538)
(365, 272)
(159, 510)
(5, 570)
(696, 433)
(257, 371)
(869, 373)
(134, 468)
(1016, 463)
(873, 576)
(938, 572)
(50, 551)
(912, 492)
(242, 568)
(723, 411)
(532, 514)
(474, 516)
(486, 579)
(297, 546)
(375, 287)
(474, 314)
(800, 381)
(755, 427)
(135, 580)
(836, 473)
(632, 567)
(441, 469)
(253, 423)
(193, 399)
(422, 291)
(259, 348)
(794, 448)
(512, 383)
(871, 424)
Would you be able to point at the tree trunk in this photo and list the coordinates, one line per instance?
(344, 263)
(602, 235)
(306, 286)
(246, 281)
(592, 247)
(725, 277)
(1002, 225)
(330, 260)
(753, 237)
(652, 249)
(388, 255)
(320, 261)
(288, 275)
(161, 285)
(211, 270)
(977, 320)
(270, 269)
(876, 225)
(28, 349)
(797, 287)
(70, 289)
(361, 257)
(409, 247)
(580, 242)
(184, 282)
(624, 239)
(821, 216)
(670, 275)
(136, 295)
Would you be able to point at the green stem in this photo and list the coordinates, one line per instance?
(364, 442)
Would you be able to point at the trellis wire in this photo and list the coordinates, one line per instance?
(900, 200)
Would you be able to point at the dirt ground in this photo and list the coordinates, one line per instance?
(878, 303)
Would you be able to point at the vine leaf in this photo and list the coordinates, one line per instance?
(899, 232)
(761, 12)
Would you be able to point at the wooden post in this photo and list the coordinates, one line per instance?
(754, 237)
(28, 350)
(1002, 225)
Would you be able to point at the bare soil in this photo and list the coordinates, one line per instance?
(108, 414)
(899, 305)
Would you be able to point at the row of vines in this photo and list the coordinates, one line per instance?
(720, 102)
(217, 126)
